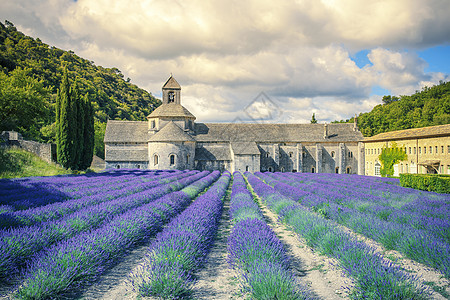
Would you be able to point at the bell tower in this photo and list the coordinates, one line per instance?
(171, 91)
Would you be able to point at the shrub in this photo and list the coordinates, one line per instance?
(427, 182)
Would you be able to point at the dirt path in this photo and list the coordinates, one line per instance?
(216, 281)
(318, 272)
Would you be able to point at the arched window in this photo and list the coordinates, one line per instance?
(313, 170)
(171, 97)
(172, 159)
(270, 169)
(349, 170)
(282, 169)
(117, 166)
(155, 159)
(332, 153)
(187, 159)
(290, 154)
(337, 170)
(138, 166)
(246, 168)
(267, 154)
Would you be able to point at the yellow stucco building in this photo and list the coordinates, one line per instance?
(427, 148)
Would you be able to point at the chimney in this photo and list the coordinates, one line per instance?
(325, 131)
(355, 124)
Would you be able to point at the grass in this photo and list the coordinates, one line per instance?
(15, 162)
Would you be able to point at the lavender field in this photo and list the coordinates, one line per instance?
(61, 235)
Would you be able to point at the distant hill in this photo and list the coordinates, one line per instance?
(113, 96)
(428, 107)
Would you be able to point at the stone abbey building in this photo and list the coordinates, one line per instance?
(171, 139)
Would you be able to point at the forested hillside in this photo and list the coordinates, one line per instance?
(31, 72)
(429, 107)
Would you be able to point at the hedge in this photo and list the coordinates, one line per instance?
(428, 182)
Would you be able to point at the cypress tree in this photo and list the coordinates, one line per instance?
(88, 143)
(77, 126)
(63, 143)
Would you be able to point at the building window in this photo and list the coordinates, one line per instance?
(377, 169)
(407, 171)
(153, 123)
(304, 154)
(294, 171)
(138, 166)
(117, 166)
(155, 159)
(290, 154)
(171, 97)
(435, 150)
(187, 159)
(414, 150)
(246, 168)
(172, 159)
(313, 170)
(425, 150)
(401, 168)
(378, 150)
(442, 149)
(267, 154)
(350, 154)
(332, 153)
(282, 169)
(349, 170)
(409, 150)
(270, 169)
(448, 149)
(420, 150)
(336, 170)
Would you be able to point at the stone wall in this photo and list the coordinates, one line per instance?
(45, 151)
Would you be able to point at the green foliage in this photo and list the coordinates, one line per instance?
(429, 107)
(389, 157)
(99, 145)
(23, 102)
(313, 119)
(75, 127)
(20, 163)
(428, 182)
(112, 97)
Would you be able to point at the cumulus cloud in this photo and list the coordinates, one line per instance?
(224, 54)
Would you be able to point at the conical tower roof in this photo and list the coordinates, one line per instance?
(171, 133)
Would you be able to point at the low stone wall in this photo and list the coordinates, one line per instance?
(45, 151)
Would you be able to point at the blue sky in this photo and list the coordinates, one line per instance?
(333, 58)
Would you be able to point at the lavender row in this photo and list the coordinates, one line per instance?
(182, 246)
(375, 277)
(320, 197)
(255, 251)
(18, 245)
(70, 264)
(60, 209)
(44, 194)
(429, 246)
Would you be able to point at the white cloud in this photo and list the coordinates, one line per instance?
(225, 53)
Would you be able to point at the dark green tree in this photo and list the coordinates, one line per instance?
(64, 130)
(77, 126)
(389, 156)
(88, 133)
(313, 119)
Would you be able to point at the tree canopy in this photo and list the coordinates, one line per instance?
(428, 107)
(112, 96)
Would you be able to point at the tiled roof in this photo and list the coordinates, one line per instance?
(171, 110)
(440, 130)
(213, 152)
(240, 148)
(127, 154)
(126, 132)
(171, 83)
(276, 133)
(171, 133)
